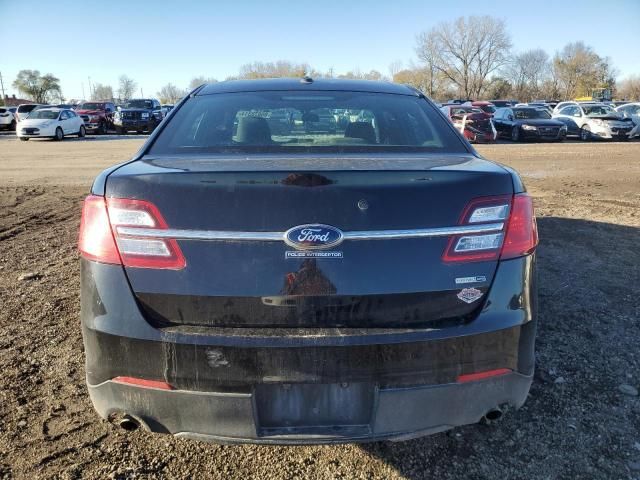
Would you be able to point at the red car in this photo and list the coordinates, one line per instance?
(473, 123)
(487, 107)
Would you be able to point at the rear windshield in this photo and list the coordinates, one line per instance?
(314, 121)
(26, 108)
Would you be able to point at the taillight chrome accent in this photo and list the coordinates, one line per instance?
(101, 240)
(491, 213)
(518, 238)
(147, 252)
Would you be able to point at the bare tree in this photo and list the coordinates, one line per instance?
(127, 87)
(102, 92)
(39, 88)
(395, 67)
(467, 51)
(527, 72)
(580, 69)
(281, 68)
(170, 93)
(201, 80)
(357, 74)
(629, 88)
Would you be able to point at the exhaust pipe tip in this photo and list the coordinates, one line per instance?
(493, 415)
(129, 423)
(125, 421)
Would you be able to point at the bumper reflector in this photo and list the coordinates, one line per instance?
(141, 382)
(472, 377)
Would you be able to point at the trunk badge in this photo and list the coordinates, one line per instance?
(469, 295)
(314, 236)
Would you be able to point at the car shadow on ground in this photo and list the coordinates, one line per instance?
(576, 421)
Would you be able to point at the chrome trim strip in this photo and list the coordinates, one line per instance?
(213, 235)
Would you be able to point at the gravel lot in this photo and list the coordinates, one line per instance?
(582, 419)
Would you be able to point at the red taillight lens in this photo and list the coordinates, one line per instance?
(96, 240)
(521, 236)
(102, 240)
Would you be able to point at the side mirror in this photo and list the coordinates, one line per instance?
(510, 117)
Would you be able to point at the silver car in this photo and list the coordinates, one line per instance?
(632, 111)
(589, 121)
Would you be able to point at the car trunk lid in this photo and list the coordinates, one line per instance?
(239, 281)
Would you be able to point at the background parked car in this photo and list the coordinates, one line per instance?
(7, 118)
(502, 103)
(165, 109)
(561, 105)
(472, 122)
(594, 120)
(97, 116)
(632, 111)
(50, 123)
(24, 110)
(139, 114)
(486, 107)
(528, 123)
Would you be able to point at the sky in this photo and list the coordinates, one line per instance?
(157, 42)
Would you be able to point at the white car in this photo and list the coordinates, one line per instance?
(50, 123)
(25, 110)
(561, 105)
(7, 118)
(632, 111)
(594, 120)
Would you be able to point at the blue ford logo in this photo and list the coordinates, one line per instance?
(313, 236)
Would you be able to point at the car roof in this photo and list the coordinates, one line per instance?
(298, 84)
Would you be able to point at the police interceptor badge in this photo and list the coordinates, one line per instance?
(309, 241)
(469, 295)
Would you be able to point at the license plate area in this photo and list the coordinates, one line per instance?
(314, 409)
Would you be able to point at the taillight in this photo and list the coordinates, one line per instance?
(96, 240)
(108, 233)
(522, 231)
(514, 235)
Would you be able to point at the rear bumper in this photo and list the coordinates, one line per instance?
(380, 383)
(393, 414)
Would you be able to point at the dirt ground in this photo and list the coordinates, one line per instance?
(582, 418)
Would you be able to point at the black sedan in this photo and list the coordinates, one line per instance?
(372, 281)
(528, 123)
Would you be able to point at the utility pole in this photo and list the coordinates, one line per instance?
(83, 97)
(2, 85)
(141, 92)
(90, 90)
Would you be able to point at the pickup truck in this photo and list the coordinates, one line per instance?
(97, 116)
(141, 114)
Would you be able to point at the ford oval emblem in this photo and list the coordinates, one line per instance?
(314, 236)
